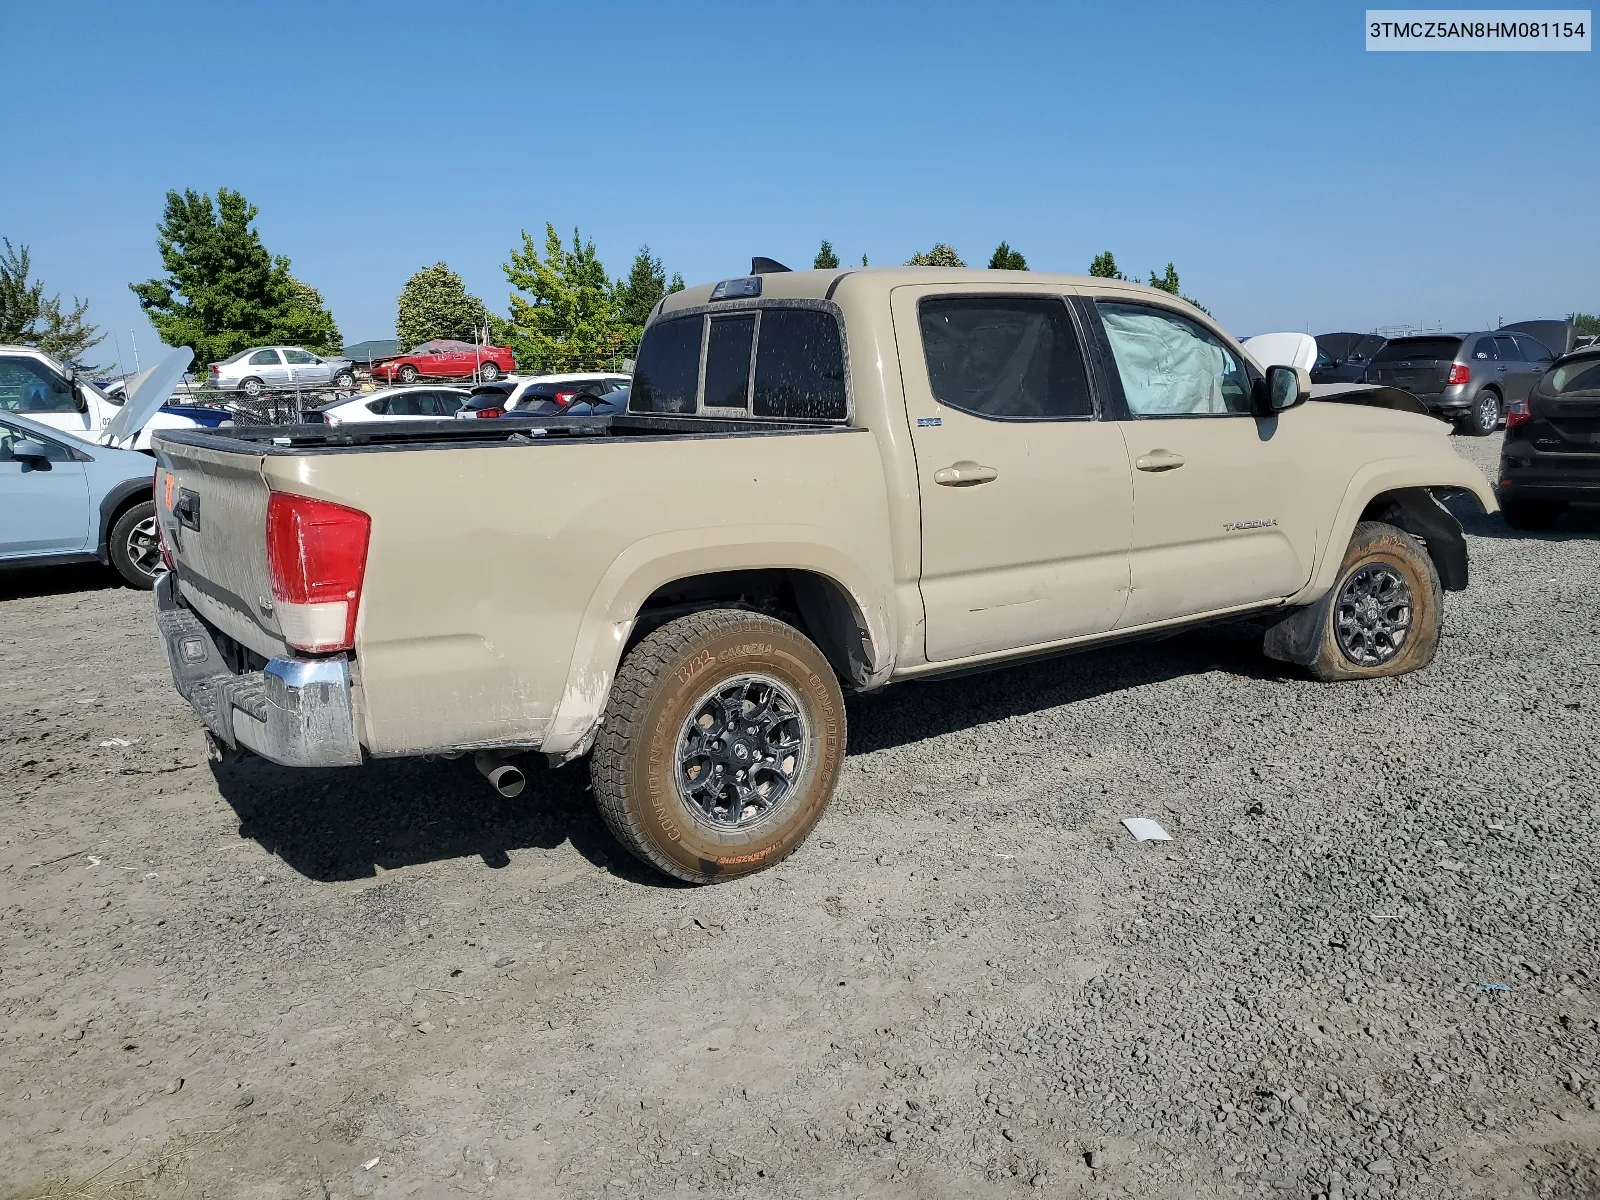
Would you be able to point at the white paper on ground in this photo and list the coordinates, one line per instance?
(1146, 830)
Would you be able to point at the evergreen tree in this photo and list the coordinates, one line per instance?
(942, 255)
(435, 304)
(637, 296)
(30, 318)
(565, 314)
(1104, 266)
(1005, 258)
(826, 259)
(676, 285)
(223, 292)
(1168, 282)
(863, 260)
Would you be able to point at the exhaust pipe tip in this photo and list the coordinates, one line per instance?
(505, 778)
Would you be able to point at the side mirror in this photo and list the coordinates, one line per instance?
(1285, 387)
(31, 452)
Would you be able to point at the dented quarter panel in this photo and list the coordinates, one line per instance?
(502, 580)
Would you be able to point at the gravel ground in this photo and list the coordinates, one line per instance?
(1365, 966)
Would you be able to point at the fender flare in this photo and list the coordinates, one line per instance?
(1415, 483)
(661, 559)
(117, 498)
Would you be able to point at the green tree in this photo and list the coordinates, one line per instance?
(942, 255)
(676, 285)
(435, 304)
(863, 260)
(1005, 258)
(1168, 282)
(826, 259)
(223, 292)
(30, 318)
(637, 296)
(1104, 266)
(1585, 322)
(564, 313)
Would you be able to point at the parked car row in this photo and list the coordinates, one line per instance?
(1470, 379)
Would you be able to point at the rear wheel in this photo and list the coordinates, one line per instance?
(407, 374)
(1485, 416)
(135, 545)
(488, 373)
(721, 746)
(1531, 514)
(251, 386)
(1385, 611)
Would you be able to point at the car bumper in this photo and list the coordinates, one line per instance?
(1570, 477)
(294, 711)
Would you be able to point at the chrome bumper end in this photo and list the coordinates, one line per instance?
(295, 711)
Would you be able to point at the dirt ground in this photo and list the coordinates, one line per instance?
(1365, 966)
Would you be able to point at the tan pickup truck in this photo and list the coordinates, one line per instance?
(826, 481)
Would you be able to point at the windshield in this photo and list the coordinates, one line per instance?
(1418, 349)
(1573, 377)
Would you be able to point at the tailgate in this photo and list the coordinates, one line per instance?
(212, 504)
(1424, 377)
(1575, 422)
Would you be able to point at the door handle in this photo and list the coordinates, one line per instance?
(965, 473)
(1159, 460)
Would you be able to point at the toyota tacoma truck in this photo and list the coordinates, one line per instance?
(824, 482)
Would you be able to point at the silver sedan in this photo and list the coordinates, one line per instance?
(280, 368)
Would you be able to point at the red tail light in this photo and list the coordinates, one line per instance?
(1518, 413)
(564, 397)
(215, 370)
(491, 412)
(317, 560)
(156, 496)
(1458, 374)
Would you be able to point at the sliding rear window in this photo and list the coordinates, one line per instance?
(796, 372)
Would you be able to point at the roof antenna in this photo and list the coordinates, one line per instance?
(765, 266)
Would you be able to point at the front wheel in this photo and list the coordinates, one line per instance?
(721, 745)
(135, 545)
(488, 373)
(1384, 614)
(408, 374)
(345, 381)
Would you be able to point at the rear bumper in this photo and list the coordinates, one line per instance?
(1572, 477)
(294, 711)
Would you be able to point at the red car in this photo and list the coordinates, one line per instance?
(443, 358)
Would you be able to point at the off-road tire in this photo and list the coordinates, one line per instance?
(634, 767)
(1375, 542)
(407, 374)
(1531, 514)
(1478, 423)
(125, 556)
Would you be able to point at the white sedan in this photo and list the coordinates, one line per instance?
(393, 404)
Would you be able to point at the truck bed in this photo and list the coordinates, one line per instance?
(505, 566)
(442, 434)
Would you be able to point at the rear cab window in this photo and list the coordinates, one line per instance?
(776, 361)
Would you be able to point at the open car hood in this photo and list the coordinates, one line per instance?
(1373, 395)
(147, 391)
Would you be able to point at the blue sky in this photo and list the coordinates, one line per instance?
(1295, 179)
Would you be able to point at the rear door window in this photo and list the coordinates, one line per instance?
(799, 366)
(264, 358)
(666, 378)
(1009, 358)
(1532, 349)
(728, 361)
